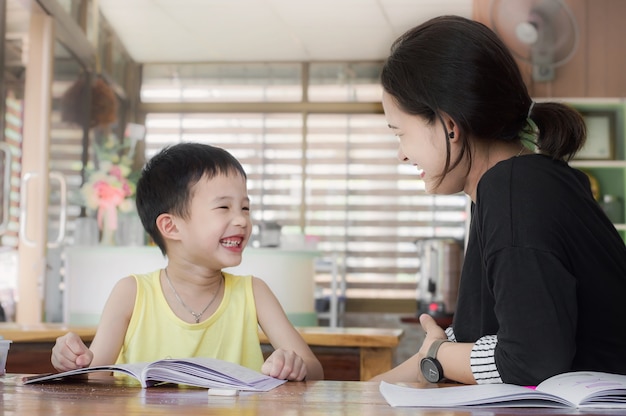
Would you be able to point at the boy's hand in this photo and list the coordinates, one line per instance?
(285, 365)
(69, 353)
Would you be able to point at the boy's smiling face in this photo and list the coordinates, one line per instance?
(219, 224)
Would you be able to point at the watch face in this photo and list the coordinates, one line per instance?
(431, 369)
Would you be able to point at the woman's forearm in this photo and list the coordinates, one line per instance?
(455, 360)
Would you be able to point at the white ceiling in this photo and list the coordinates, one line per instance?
(267, 30)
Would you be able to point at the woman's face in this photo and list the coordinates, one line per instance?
(424, 146)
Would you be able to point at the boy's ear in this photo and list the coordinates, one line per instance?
(167, 226)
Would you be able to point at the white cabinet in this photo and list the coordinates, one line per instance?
(90, 272)
(291, 276)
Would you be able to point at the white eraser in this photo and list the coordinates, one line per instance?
(223, 392)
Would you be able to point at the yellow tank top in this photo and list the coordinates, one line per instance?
(230, 334)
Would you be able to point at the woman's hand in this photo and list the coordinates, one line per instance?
(409, 370)
(433, 332)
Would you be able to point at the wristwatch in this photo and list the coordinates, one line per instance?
(431, 367)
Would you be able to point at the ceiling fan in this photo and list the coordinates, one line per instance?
(543, 33)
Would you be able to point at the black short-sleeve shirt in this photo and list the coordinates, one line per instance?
(545, 271)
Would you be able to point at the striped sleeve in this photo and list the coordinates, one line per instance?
(450, 334)
(482, 360)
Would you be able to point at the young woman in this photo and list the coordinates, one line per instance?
(543, 283)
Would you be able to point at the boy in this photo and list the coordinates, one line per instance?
(193, 201)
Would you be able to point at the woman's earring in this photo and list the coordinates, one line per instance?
(451, 135)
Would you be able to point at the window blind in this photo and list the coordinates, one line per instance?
(330, 174)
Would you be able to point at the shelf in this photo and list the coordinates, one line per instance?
(584, 100)
(598, 163)
(609, 175)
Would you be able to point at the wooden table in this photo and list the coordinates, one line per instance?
(115, 397)
(373, 347)
(345, 353)
(32, 345)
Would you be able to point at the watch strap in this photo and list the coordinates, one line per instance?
(434, 347)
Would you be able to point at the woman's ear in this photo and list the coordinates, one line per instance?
(451, 128)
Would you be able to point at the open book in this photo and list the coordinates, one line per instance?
(581, 389)
(198, 372)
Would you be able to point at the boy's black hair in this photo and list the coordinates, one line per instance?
(166, 181)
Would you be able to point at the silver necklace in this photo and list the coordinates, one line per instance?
(196, 315)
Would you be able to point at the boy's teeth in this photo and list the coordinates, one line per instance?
(230, 243)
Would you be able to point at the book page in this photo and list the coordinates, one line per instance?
(198, 371)
(483, 395)
(209, 373)
(133, 370)
(581, 387)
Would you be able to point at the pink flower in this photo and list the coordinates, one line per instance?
(108, 191)
(116, 172)
(108, 195)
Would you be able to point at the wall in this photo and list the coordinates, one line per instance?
(598, 67)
